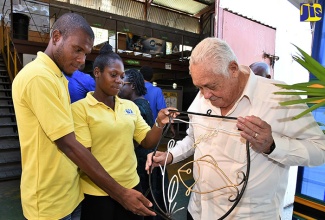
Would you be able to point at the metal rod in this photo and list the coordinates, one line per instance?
(201, 114)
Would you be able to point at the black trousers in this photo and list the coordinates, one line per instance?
(189, 216)
(106, 208)
(156, 182)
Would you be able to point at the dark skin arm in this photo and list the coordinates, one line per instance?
(155, 133)
(130, 199)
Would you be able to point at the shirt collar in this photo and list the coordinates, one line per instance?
(52, 65)
(249, 90)
(92, 101)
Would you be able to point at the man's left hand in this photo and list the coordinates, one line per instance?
(257, 132)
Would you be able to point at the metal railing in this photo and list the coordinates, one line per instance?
(10, 55)
(8, 51)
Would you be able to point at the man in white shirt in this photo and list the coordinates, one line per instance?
(276, 141)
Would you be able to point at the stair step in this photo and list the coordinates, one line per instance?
(2, 115)
(12, 171)
(9, 145)
(5, 97)
(5, 83)
(8, 124)
(5, 90)
(6, 106)
(10, 157)
(9, 136)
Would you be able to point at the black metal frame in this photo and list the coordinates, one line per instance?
(168, 216)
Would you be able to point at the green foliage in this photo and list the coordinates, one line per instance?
(315, 90)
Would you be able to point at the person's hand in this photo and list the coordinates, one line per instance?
(158, 159)
(165, 114)
(257, 132)
(135, 202)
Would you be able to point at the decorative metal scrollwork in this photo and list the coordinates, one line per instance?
(170, 204)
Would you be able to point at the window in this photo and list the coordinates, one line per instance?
(101, 35)
(311, 181)
(310, 191)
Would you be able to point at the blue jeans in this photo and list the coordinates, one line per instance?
(75, 214)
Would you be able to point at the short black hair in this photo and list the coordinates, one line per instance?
(106, 57)
(136, 78)
(147, 72)
(69, 23)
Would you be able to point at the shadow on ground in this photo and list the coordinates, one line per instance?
(10, 206)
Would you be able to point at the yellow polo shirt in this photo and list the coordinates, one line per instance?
(50, 186)
(110, 135)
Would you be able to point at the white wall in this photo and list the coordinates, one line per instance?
(285, 17)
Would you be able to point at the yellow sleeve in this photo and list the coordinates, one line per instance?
(50, 105)
(81, 127)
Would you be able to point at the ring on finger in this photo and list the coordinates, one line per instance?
(255, 136)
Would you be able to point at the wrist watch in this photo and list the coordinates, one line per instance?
(272, 147)
(157, 125)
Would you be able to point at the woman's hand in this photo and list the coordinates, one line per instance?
(164, 115)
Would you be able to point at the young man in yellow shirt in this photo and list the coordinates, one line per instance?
(50, 152)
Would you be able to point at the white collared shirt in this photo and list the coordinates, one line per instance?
(298, 143)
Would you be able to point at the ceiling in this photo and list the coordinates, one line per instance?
(297, 3)
(193, 8)
(196, 8)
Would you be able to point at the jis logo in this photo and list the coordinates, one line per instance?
(310, 12)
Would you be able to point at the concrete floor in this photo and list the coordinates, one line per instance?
(10, 206)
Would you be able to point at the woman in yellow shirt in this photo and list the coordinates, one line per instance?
(107, 125)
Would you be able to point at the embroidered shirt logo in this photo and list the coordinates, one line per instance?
(129, 111)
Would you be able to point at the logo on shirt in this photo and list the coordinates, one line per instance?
(129, 111)
(310, 12)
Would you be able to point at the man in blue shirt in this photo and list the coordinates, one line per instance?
(261, 69)
(80, 84)
(154, 94)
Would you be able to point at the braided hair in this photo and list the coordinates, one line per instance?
(136, 78)
(106, 57)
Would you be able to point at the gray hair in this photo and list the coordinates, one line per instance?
(216, 53)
